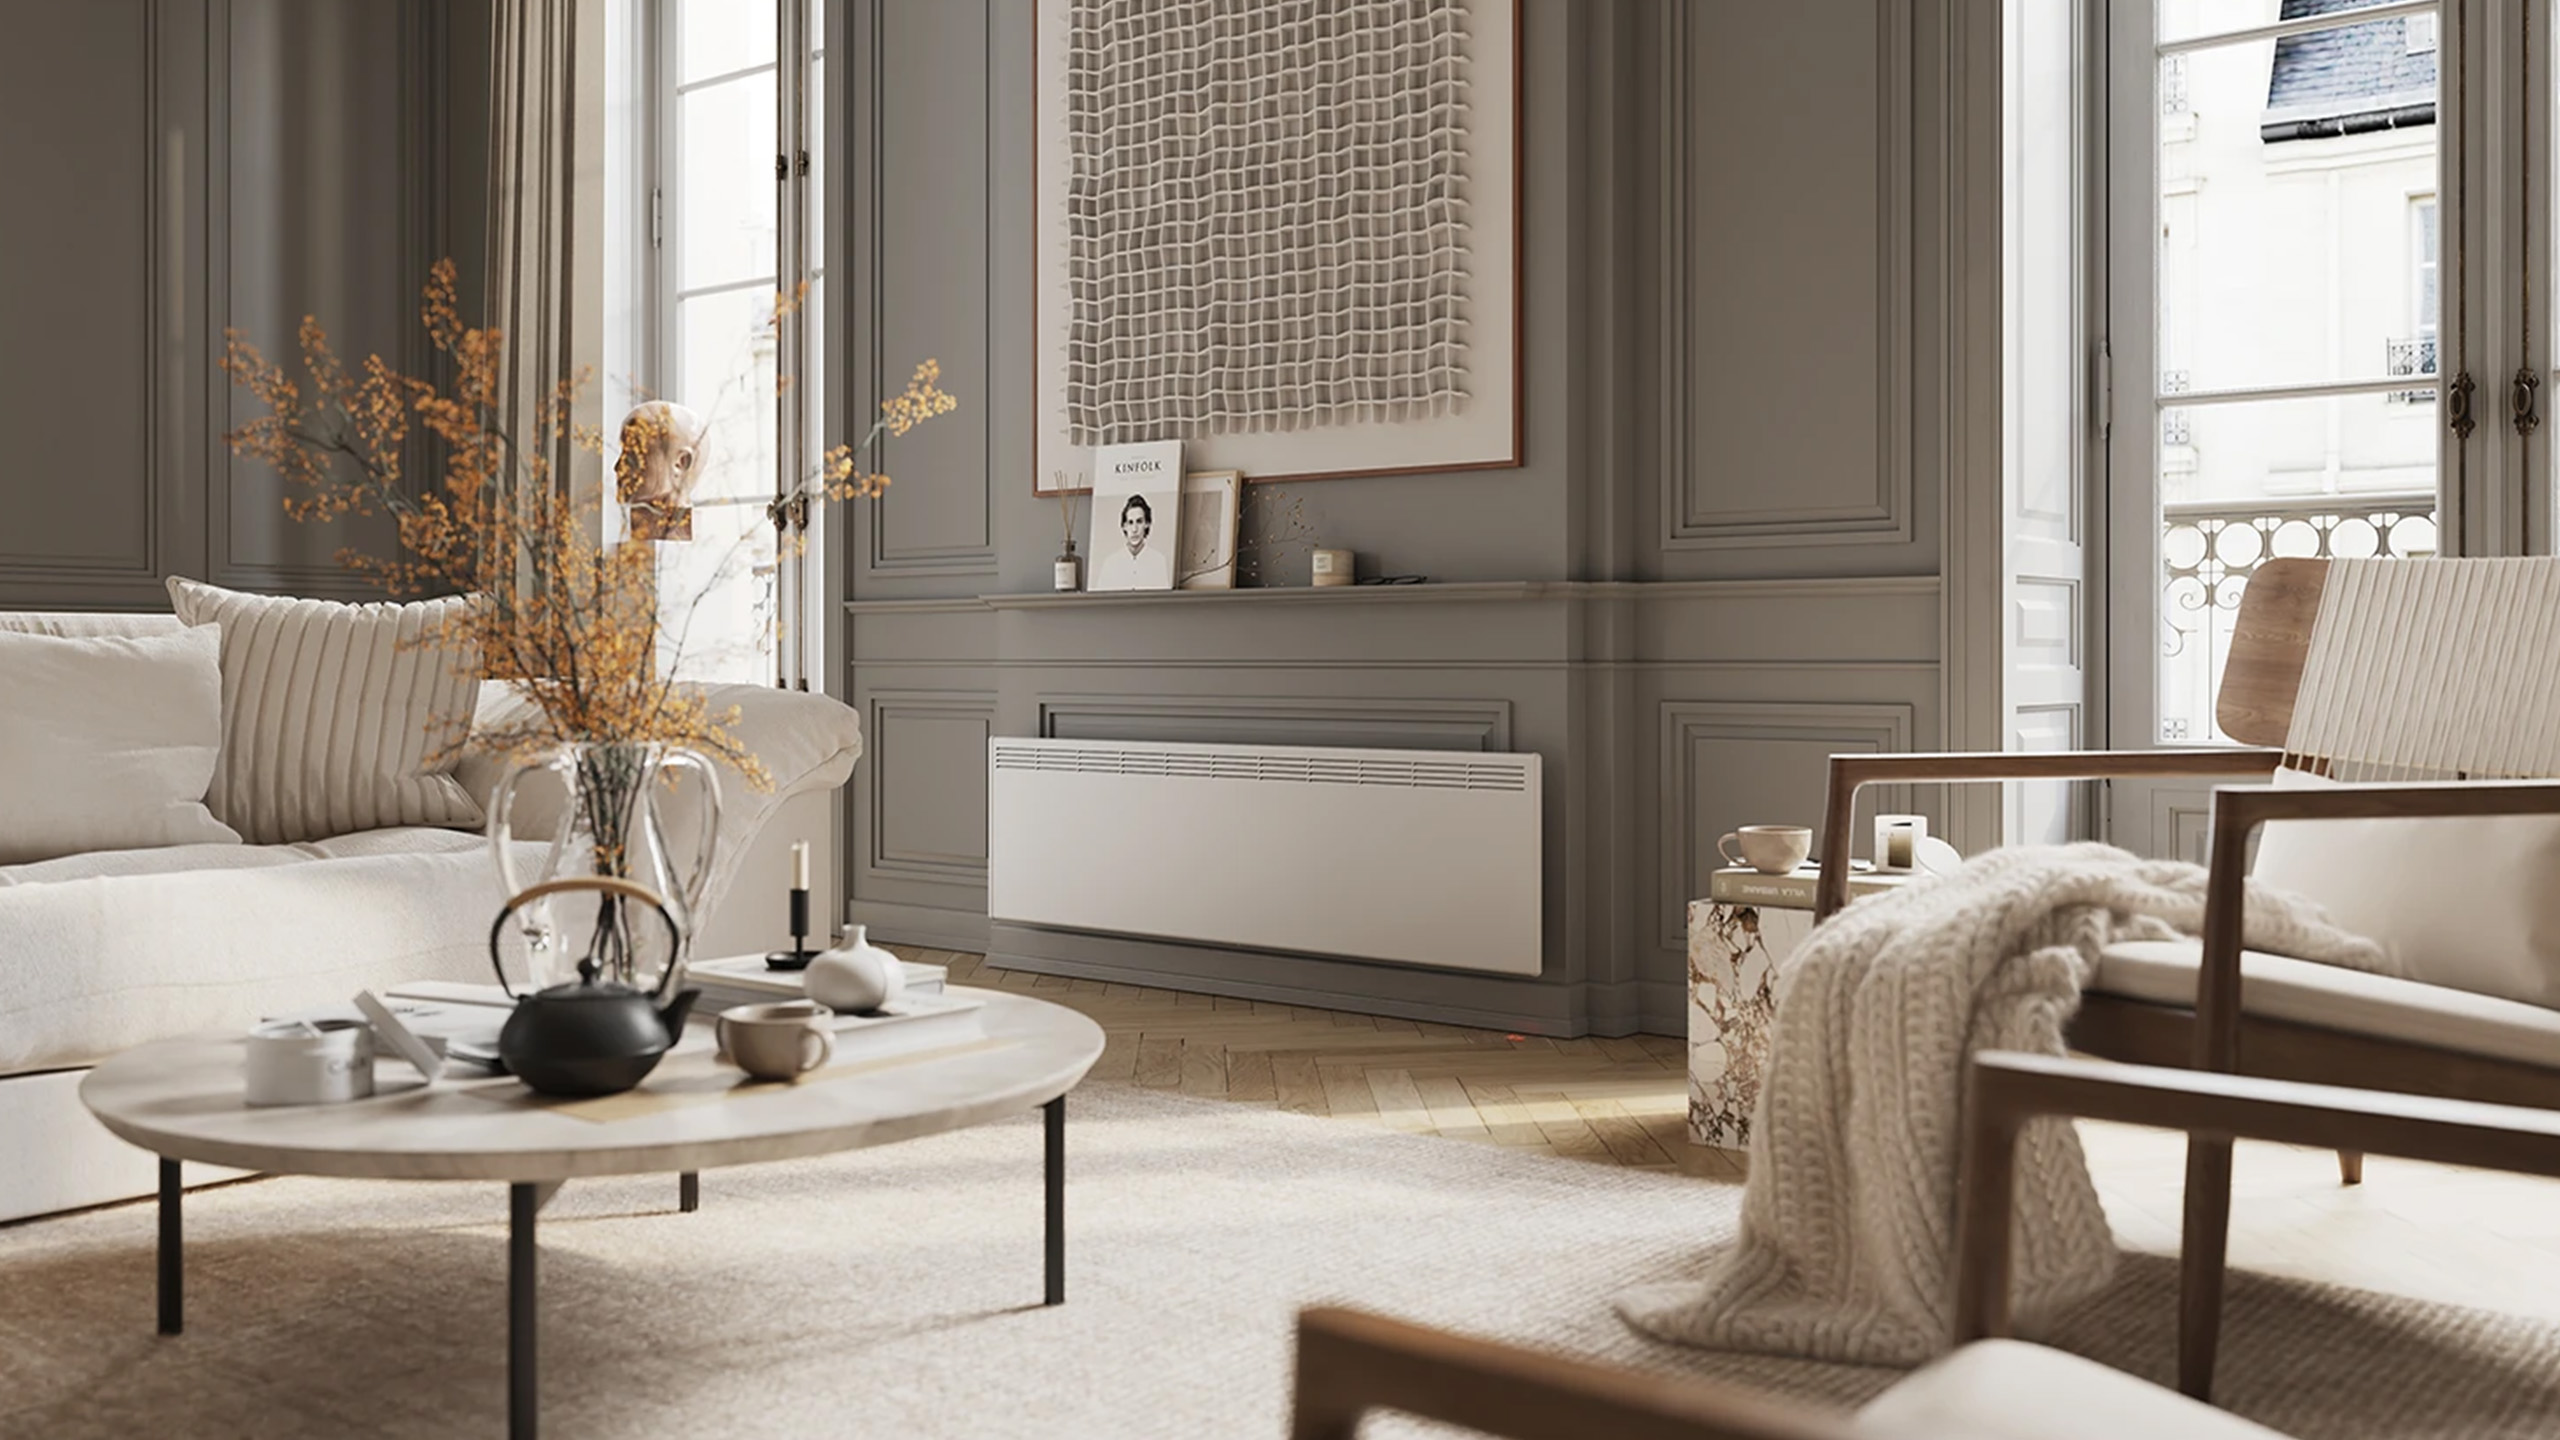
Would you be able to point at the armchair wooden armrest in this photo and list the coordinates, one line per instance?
(2006, 1089)
(1350, 1363)
(1851, 773)
(2238, 810)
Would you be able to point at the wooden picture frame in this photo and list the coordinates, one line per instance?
(1491, 432)
(1204, 555)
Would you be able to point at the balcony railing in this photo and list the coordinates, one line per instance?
(2208, 551)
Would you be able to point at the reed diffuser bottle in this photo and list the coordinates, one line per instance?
(1068, 574)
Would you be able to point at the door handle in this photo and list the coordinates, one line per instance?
(2524, 399)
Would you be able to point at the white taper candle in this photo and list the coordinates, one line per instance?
(799, 864)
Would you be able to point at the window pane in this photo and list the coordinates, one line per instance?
(724, 188)
(716, 596)
(725, 370)
(2197, 19)
(2290, 249)
(716, 590)
(2345, 476)
(714, 37)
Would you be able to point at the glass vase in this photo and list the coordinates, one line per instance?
(607, 822)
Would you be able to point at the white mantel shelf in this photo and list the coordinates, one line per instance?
(1450, 592)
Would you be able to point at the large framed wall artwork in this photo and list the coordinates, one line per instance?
(1285, 233)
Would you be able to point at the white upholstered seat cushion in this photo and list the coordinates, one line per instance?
(2011, 1390)
(2336, 998)
(100, 952)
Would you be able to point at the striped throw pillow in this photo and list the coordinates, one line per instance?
(335, 718)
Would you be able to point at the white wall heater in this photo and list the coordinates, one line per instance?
(1421, 856)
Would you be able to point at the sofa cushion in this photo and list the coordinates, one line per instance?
(98, 953)
(107, 742)
(2011, 1390)
(335, 718)
(2335, 998)
(2467, 902)
(83, 623)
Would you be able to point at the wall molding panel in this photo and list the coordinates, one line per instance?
(1708, 506)
(915, 738)
(216, 163)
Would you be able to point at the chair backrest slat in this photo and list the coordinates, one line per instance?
(2406, 669)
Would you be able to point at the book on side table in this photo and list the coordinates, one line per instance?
(1742, 885)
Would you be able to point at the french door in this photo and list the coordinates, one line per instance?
(2291, 358)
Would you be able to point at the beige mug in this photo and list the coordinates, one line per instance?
(1769, 849)
(778, 1041)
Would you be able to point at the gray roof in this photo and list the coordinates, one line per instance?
(2351, 79)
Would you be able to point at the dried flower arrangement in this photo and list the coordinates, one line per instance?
(571, 621)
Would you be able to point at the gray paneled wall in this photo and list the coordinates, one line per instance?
(176, 168)
(1718, 565)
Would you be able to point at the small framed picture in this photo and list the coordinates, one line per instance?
(1206, 557)
(1137, 512)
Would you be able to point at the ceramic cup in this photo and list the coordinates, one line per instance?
(296, 1063)
(1769, 849)
(778, 1041)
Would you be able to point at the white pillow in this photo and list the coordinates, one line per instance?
(2469, 903)
(108, 743)
(331, 714)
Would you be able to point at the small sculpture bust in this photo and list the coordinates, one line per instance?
(660, 463)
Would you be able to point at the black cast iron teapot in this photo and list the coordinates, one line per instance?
(593, 1036)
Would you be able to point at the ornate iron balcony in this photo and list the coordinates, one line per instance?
(2208, 550)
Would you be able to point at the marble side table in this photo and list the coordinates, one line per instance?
(1735, 950)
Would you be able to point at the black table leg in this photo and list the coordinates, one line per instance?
(1054, 1120)
(524, 1396)
(689, 1191)
(172, 1256)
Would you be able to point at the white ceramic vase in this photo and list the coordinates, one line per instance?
(855, 977)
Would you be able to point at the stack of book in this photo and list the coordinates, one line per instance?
(1793, 891)
(744, 980)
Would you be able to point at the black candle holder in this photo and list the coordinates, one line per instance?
(799, 955)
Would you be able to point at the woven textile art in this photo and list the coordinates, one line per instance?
(1267, 215)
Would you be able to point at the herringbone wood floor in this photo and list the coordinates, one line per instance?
(1622, 1102)
(2434, 1232)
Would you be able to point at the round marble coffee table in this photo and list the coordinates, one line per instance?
(181, 1100)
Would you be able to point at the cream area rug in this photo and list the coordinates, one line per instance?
(895, 1292)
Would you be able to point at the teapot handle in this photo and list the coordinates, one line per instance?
(603, 884)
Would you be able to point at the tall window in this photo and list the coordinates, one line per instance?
(2294, 289)
(717, 132)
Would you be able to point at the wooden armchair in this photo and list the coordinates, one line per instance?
(2217, 1007)
(1989, 1387)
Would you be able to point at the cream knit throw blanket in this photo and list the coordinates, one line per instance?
(1848, 1221)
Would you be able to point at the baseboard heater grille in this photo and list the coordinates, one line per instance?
(1422, 857)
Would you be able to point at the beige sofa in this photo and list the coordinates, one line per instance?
(102, 951)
